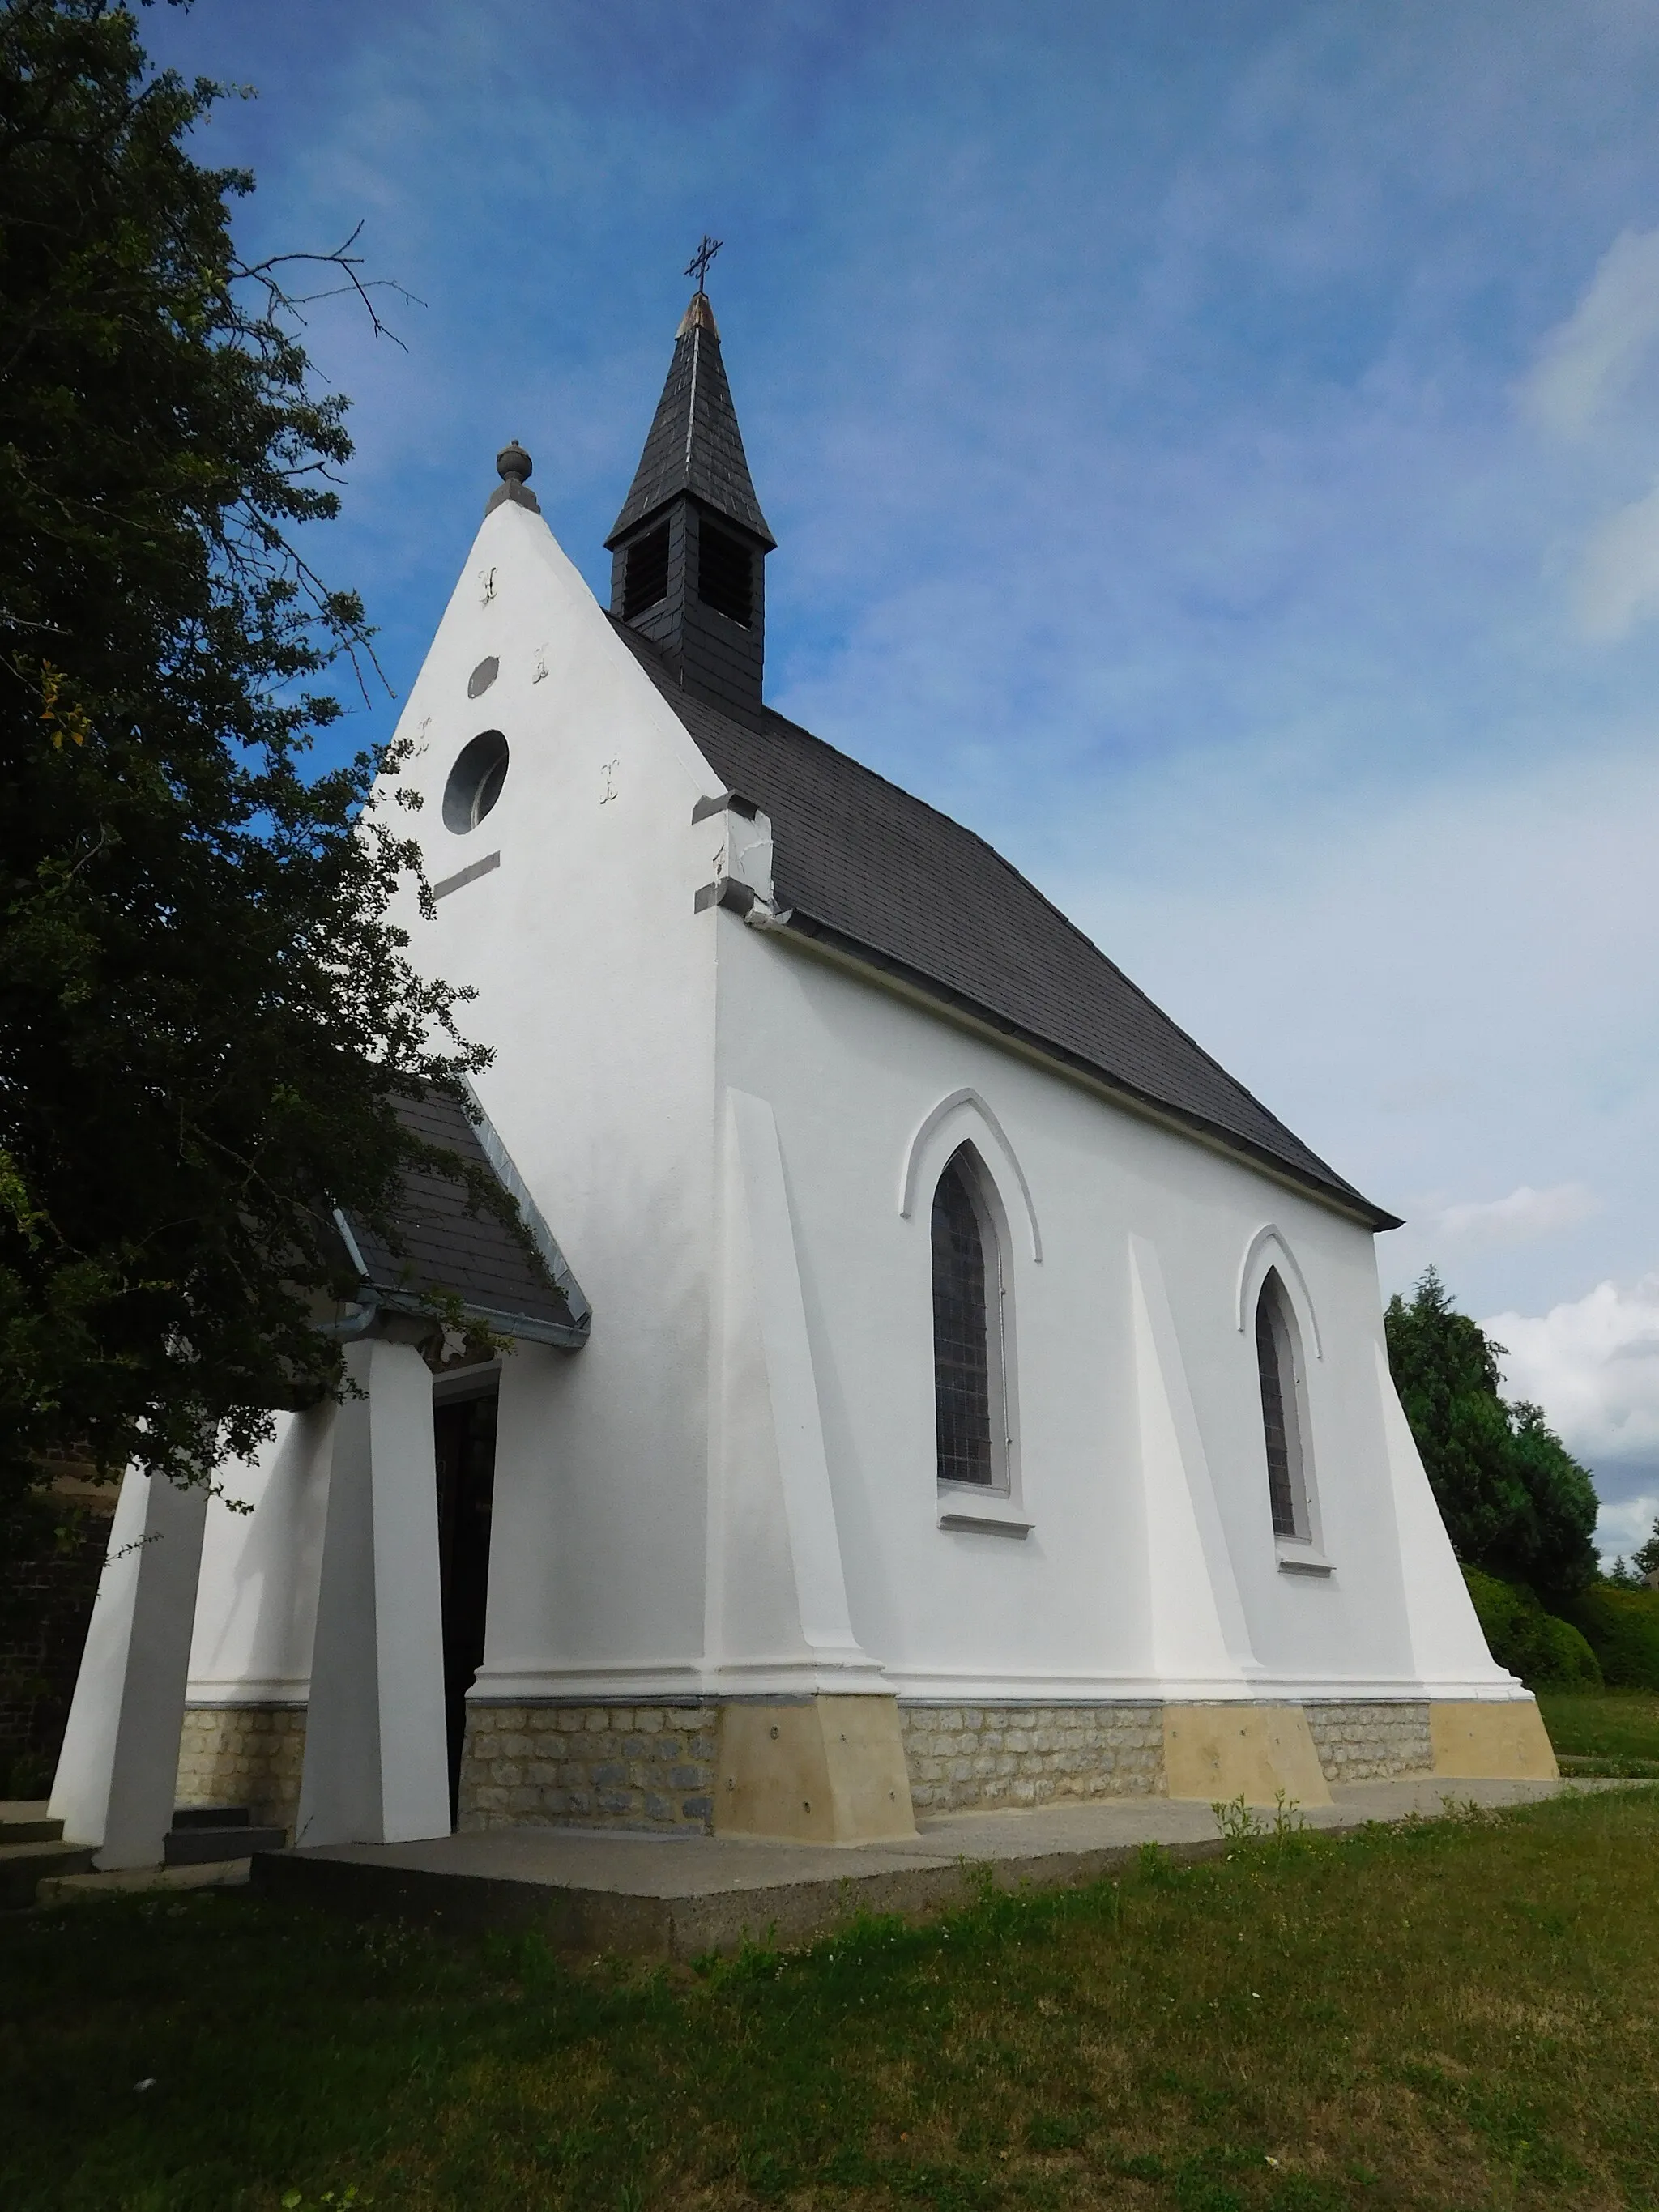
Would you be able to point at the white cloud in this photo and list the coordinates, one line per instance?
(1526, 1213)
(1623, 1529)
(1585, 368)
(1217, 891)
(1592, 359)
(1593, 1365)
(1617, 583)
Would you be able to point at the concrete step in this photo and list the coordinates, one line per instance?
(125, 1881)
(25, 1820)
(211, 1816)
(202, 1845)
(24, 1867)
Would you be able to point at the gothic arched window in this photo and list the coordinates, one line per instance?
(1279, 1364)
(970, 1405)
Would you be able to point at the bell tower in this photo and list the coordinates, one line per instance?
(689, 548)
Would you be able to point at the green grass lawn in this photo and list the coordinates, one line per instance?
(1605, 1732)
(1446, 2014)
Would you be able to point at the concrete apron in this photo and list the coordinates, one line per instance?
(590, 1892)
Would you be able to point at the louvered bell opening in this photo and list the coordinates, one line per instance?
(644, 576)
(725, 575)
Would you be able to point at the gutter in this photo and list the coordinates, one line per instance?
(378, 1298)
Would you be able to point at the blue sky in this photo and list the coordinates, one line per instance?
(1214, 452)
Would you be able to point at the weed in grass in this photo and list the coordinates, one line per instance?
(1239, 1823)
(1235, 1820)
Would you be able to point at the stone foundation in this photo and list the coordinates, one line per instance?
(963, 1756)
(608, 1767)
(655, 1768)
(244, 1755)
(1368, 1743)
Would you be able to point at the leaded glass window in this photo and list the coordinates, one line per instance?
(1280, 1412)
(966, 1357)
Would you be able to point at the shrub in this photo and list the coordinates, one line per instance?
(1545, 1651)
(1568, 1662)
(1623, 1628)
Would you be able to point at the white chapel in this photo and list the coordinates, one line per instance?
(933, 1381)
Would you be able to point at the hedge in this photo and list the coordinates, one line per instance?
(1623, 1628)
(1545, 1651)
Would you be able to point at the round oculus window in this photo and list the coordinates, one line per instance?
(475, 782)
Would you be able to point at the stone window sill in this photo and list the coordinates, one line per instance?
(982, 1513)
(1296, 1558)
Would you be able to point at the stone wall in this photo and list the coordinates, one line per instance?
(988, 1755)
(1367, 1743)
(608, 1767)
(244, 1755)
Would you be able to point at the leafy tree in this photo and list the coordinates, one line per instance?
(1515, 1502)
(205, 1009)
(1645, 1558)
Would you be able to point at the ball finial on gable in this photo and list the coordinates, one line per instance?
(513, 466)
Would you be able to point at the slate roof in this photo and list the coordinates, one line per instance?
(443, 1243)
(863, 864)
(695, 444)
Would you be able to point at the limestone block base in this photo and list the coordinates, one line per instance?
(246, 1755)
(1372, 1743)
(859, 1769)
(648, 1767)
(1486, 1740)
(823, 1770)
(963, 1757)
(1216, 1753)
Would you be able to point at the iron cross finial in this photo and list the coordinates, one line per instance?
(697, 266)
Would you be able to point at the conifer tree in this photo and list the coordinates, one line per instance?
(204, 1008)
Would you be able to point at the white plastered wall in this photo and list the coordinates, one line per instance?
(256, 1611)
(642, 1546)
(1125, 1247)
(595, 989)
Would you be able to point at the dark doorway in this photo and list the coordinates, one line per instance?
(464, 1434)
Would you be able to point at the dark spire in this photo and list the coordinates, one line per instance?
(689, 547)
(695, 444)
